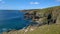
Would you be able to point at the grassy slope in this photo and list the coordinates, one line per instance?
(45, 29)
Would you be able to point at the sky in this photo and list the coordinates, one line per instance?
(27, 4)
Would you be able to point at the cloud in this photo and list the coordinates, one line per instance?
(34, 3)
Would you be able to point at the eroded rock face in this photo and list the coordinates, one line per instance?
(49, 17)
(58, 19)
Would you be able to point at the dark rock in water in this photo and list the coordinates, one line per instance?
(34, 24)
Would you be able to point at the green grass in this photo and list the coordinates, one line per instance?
(45, 29)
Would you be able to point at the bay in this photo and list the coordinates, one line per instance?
(12, 19)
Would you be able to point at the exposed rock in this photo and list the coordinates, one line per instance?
(42, 17)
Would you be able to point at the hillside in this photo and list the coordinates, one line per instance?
(48, 22)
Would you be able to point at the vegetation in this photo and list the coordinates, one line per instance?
(51, 15)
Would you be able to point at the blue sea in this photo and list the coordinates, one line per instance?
(12, 19)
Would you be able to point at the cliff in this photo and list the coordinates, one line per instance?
(44, 16)
(44, 21)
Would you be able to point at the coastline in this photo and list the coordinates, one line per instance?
(46, 22)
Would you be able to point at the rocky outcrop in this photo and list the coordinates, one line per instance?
(41, 17)
(44, 16)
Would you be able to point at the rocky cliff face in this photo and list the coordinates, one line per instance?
(45, 16)
(41, 17)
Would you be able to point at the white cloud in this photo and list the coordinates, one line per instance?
(34, 3)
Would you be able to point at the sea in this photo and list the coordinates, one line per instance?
(12, 20)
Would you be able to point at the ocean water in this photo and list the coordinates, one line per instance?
(12, 19)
